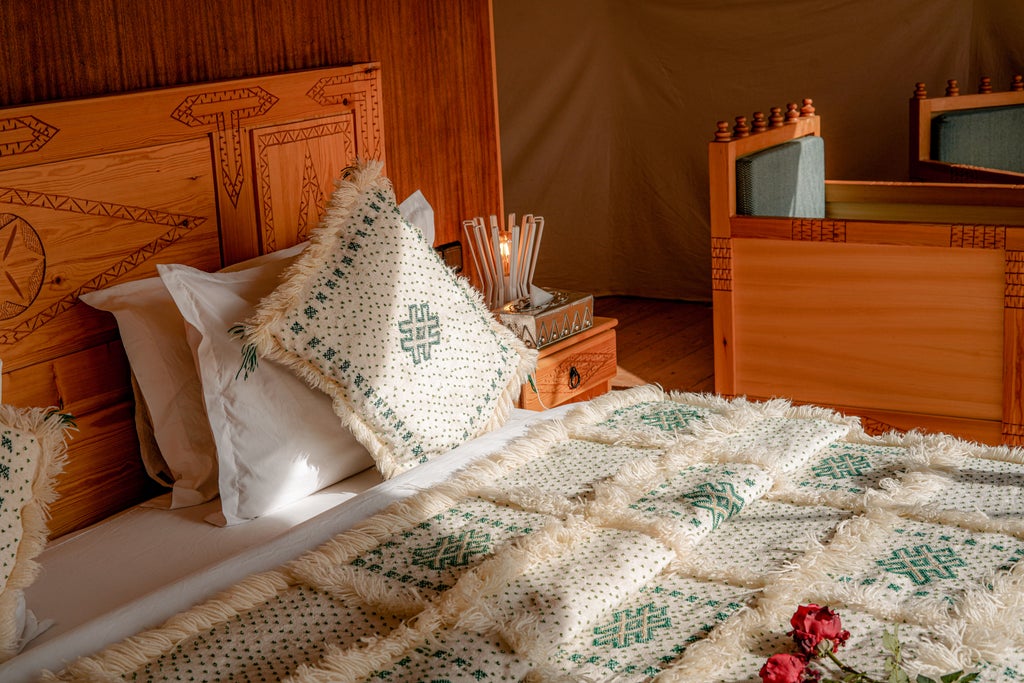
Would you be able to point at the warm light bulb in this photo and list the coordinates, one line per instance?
(504, 241)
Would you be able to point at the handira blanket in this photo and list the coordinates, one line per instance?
(646, 536)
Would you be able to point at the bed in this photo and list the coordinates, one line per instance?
(421, 527)
(968, 138)
(894, 301)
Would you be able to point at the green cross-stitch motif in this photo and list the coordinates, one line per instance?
(5, 472)
(421, 330)
(670, 419)
(842, 466)
(921, 564)
(453, 550)
(6, 442)
(718, 498)
(630, 626)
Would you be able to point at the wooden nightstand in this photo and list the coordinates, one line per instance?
(575, 369)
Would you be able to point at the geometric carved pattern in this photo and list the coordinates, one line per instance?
(721, 264)
(1013, 434)
(312, 199)
(225, 110)
(818, 230)
(24, 134)
(874, 427)
(977, 237)
(332, 90)
(1013, 294)
(23, 264)
(179, 224)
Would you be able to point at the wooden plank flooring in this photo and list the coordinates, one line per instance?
(670, 343)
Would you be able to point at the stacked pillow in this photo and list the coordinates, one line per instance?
(260, 444)
(404, 359)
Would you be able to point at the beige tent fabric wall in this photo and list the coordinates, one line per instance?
(606, 109)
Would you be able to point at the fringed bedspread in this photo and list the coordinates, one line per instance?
(644, 536)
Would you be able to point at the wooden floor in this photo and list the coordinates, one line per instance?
(662, 342)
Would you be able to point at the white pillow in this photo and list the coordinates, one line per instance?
(277, 440)
(153, 333)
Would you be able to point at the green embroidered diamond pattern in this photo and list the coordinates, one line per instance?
(630, 626)
(720, 499)
(421, 330)
(452, 551)
(921, 564)
(842, 466)
(5, 473)
(670, 419)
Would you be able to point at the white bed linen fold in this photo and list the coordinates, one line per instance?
(135, 570)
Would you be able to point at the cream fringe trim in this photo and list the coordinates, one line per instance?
(50, 433)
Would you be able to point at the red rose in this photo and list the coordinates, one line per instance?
(814, 625)
(783, 668)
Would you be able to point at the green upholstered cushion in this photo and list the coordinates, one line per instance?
(785, 180)
(990, 138)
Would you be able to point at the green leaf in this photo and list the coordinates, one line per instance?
(953, 677)
(891, 641)
(921, 678)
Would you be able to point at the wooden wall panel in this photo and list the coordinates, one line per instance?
(440, 133)
(436, 57)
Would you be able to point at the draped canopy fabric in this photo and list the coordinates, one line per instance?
(606, 109)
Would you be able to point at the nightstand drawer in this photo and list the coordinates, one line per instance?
(574, 372)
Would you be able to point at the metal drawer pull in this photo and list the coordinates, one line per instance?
(574, 377)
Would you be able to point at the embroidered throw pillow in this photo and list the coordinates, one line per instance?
(414, 361)
(32, 454)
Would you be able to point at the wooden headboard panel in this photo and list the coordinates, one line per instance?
(98, 191)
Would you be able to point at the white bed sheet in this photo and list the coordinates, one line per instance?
(133, 571)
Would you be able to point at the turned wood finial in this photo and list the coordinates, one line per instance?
(741, 129)
(985, 86)
(808, 107)
(760, 124)
(776, 119)
(919, 91)
(952, 88)
(1018, 83)
(791, 112)
(723, 134)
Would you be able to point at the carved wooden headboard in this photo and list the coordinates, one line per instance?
(98, 191)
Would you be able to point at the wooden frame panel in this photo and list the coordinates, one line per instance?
(923, 109)
(902, 306)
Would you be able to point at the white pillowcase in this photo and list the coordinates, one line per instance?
(153, 333)
(276, 439)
